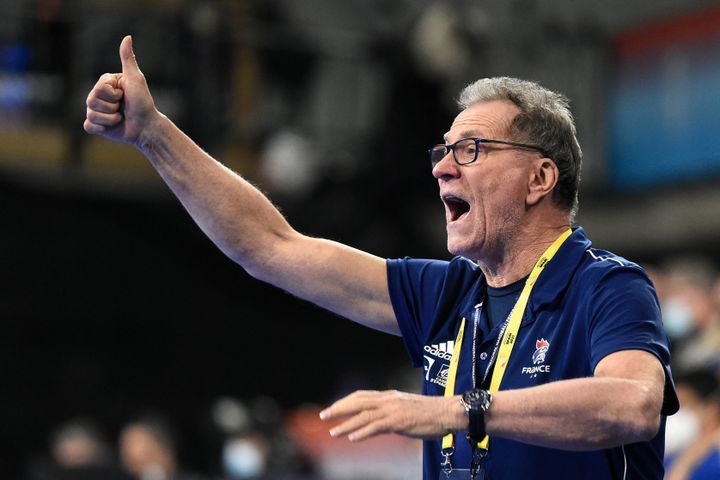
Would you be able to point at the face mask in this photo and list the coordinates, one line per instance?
(153, 472)
(677, 319)
(681, 430)
(242, 459)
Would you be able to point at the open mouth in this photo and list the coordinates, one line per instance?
(456, 206)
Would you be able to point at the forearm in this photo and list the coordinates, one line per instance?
(578, 414)
(237, 217)
(245, 225)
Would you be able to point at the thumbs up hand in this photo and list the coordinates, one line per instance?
(120, 106)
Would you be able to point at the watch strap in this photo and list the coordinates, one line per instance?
(476, 402)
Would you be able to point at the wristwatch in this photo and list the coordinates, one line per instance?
(476, 402)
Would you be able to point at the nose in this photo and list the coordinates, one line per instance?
(446, 167)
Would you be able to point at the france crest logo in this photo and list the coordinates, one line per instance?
(541, 348)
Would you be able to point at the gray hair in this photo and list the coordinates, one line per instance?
(544, 120)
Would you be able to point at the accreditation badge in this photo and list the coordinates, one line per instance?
(462, 474)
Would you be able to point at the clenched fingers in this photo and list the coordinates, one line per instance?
(104, 119)
(102, 106)
(93, 128)
(107, 88)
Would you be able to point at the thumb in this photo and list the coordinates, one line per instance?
(127, 56)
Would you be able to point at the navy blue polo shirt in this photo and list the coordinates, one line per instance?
(587, 304)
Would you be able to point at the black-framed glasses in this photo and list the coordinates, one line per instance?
(466, 150)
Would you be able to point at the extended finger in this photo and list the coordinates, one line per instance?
(378, 427)
(102, 106)
(105, 119)
(350, 405)
(354, 423)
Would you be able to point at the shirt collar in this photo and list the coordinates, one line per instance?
(556, 276)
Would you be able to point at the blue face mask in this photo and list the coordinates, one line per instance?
(677, 319)
(242, 459)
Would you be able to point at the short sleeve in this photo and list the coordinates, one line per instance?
(625, 315)
(415, 286)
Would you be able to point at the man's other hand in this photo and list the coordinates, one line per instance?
(370, 413)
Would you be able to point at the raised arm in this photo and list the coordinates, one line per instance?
(236, 216)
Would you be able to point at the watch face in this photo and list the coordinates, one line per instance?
(477, 399)
(474, 396)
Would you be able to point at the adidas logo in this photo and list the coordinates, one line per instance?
(442, 350)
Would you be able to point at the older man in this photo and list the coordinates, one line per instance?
(542, 356)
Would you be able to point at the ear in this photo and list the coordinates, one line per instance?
(544, 175)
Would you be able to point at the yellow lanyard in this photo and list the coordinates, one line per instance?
(508, 339)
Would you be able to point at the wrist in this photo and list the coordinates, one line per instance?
(152, 131)
(456, 419)
(476, 404)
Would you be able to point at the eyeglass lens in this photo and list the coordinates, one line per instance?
(464, 151)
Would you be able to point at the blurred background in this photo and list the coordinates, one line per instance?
(131, 346)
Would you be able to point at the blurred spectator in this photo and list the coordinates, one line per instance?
(245, 456)
(78, 451)
(148, 450)
(691, 318)
(715, 295)
(256, 444)
(693, 434)
(79, 443)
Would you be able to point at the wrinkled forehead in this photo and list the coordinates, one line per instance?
(490, 119)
